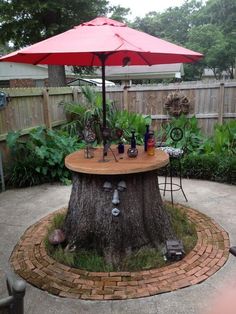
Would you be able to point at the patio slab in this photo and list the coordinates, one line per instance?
(21, 208)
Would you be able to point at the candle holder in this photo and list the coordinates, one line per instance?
(88, 152)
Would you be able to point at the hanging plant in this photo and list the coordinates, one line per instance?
(176, 104)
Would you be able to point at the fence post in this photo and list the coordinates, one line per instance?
(125, 97)
(75, 94)
(1, 173)
(221, 103)
(46, 111)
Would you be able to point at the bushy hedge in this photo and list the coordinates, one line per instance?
(208, 158)
(220, 168)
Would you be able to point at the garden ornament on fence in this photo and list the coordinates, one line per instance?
(176, 104)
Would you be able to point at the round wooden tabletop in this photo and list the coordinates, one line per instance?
(125, 165)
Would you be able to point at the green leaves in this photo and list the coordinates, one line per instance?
(192, 138)
(208, 28)
(91, 110)
(223, 140)
(210, 40)
(40, 158)
(129, 121)
(12, 138)
(212, 158)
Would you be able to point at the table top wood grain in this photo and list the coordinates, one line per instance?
(125, 165)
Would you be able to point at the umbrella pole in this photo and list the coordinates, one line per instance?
(102, 58)
(103, 94)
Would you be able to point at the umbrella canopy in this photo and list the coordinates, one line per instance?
(83, 44)
(101, 42)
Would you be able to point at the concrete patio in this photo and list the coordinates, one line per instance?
(20, 208)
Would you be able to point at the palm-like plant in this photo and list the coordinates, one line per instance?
(89, 112)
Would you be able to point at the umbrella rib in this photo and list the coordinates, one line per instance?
(42, 58)
(192, 59)
(142, 57)
(92, 60)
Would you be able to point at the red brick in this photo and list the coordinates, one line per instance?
(222, 261)
(201, 272)
(111, 278)
(212, 270)
(199, 279)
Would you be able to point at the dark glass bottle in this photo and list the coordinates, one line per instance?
(146, 136)
(121, 148)
(151, 144)
(133, 140)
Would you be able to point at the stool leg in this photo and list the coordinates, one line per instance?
(171, 186)
(166, 173)
(1, 173)
(180, 181)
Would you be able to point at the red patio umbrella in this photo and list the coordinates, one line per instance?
(101, 42)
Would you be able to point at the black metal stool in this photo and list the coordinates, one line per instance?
(175, 155)
(232, 250)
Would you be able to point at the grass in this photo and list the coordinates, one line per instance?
(142, 259)
(183, 228)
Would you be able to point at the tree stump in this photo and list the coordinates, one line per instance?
(142, 220)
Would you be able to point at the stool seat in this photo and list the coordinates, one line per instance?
(172, 151)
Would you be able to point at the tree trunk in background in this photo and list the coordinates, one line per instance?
(56, 76)
(142, 220)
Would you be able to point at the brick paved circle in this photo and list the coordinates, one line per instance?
(30, 260)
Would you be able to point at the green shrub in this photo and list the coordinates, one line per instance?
(223, 140)
(192, 135)
(221, 168)
(40, 157)
(212, 158)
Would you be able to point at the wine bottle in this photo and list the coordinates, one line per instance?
(146, 136)
(133, 140)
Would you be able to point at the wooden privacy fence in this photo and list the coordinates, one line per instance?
(209, 102)
(31, 107)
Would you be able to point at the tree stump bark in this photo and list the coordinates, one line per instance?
(142, 221)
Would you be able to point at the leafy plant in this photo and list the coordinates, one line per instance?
(223, 139)
(128, 121)
(40, 157)
(51, 147)
(90, 110)
(192, 135)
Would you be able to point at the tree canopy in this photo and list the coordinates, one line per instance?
(209, 29)
(26, 22)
